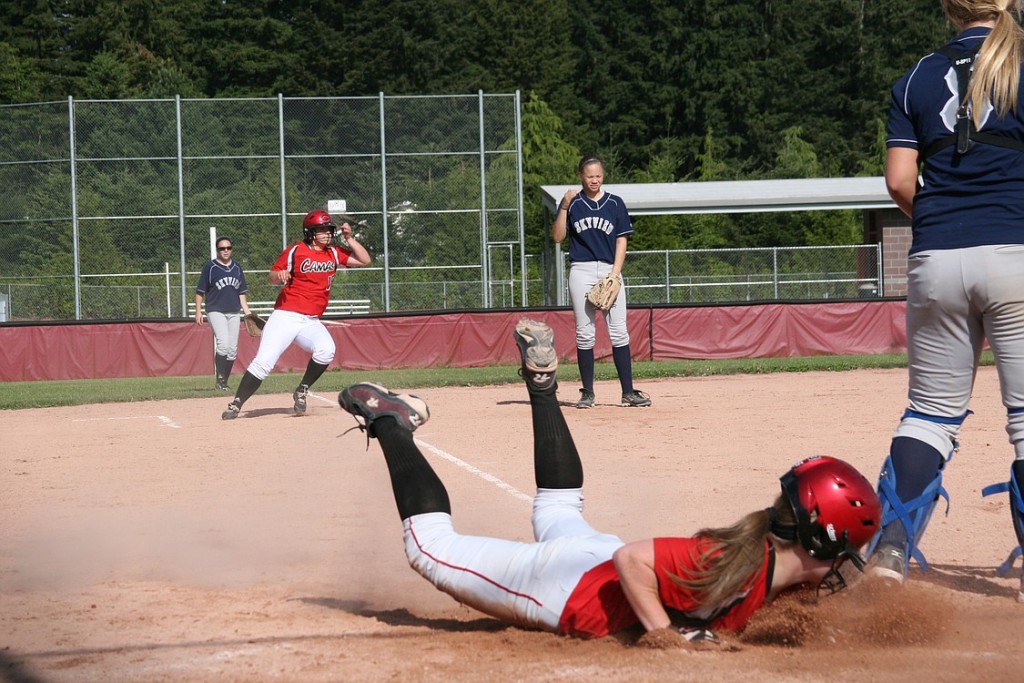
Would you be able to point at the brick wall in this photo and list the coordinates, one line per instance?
(892, 227)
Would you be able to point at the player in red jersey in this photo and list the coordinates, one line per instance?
(306, 269)
(578, 581)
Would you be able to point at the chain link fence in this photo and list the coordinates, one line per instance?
(723, 276)
(111, 206)
(761, 274)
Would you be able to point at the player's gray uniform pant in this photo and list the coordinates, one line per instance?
(285, 327)
(225, 332)
(526, 584)
(958, 298)
(582, 276)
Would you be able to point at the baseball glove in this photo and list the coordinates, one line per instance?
(254, 324)
(605, 291)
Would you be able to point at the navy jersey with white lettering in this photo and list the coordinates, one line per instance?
(961, 204)
(593, 227)
(220, 285)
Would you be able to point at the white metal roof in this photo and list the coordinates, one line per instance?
(742, 196)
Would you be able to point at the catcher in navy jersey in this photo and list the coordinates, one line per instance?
(598, 228)
(957, 117)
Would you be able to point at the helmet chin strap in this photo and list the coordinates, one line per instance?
(833, 581)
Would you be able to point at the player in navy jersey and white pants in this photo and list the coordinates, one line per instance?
(222, 284)
(597, 226)
(965, 271)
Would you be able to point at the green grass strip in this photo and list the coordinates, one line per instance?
(21, 395)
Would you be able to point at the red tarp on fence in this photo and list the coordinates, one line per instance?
(151, 349)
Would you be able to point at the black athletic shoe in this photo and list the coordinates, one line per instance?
(888, 562)
(369, 402)
(300, 399)
(586, 399)
(231, 413)
(636, 398)
(536, 343)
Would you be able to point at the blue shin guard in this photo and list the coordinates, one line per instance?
(912, 514)
(1013, 487)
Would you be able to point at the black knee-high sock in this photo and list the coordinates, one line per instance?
(556, 462)
(416, 486)
(222, 366)
(585, 361)
(1017, 472)
(915, 465)
(624, 367)
(246, 387)
(313, 372)
(228, 364)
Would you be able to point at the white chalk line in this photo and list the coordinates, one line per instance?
(332, 401)
(490, 478)
(167, 422)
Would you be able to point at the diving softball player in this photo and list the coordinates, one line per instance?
(958, 117)
(306, 270)
(577, 581)
(598, 227)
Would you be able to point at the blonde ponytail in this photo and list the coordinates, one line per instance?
(997, 68)
(733, 555)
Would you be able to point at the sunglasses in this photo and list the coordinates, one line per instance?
(224, 248)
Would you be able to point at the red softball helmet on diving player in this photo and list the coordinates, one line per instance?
(837, 509)
(317, 220)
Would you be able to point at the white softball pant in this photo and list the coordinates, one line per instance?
(525, 584)
(956, 299)
(285, 327)
(582, 276)
(225, 332)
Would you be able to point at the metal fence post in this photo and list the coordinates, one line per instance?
(181, 203)
(485, 256)
(74, 210)
(668, 281)
(384, 203)
(519, 191)
(879, 269)
(775, 271)
(284, 188)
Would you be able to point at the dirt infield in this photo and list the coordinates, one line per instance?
(152, 541)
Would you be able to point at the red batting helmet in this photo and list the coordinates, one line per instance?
(837, 509)
(317, 220)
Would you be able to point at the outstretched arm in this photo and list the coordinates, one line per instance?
(635, 565)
